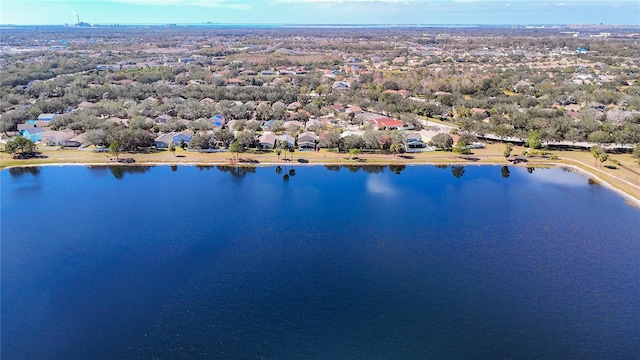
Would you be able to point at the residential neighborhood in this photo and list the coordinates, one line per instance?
(318, 89)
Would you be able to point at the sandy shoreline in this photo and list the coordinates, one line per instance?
(631, 199)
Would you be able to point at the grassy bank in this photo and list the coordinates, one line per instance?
(623, 176)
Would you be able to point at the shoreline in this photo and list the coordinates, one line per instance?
(630, 198)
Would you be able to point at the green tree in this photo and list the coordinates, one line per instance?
(20, 146)
(442, 141)
(600, 137)
(114, 149)
(224, 136)
(95, 137)
(396, 148)
(468, 137)
(291, 150)
(603, 157)
(236, 147)
(353, 153)
(461, 148)
(534, 140)
(596, 151)
(372, 139)
(636, 153)
(246, 138)
(172, 148)
(508, 148)
(330, 140)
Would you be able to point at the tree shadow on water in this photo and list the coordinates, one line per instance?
(237, 172)
(21, 171)
(119, 171)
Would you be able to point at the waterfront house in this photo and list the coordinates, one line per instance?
(288, 139)
(267, 140)
(414, 141)
(307, 141)
(34, 134)
(165, 140)
(53, 138)
(182, 137)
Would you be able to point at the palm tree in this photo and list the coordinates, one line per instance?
(597, 152)
(603, 157)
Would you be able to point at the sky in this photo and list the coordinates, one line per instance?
(426, 12)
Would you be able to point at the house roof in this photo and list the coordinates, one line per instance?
(46, 117)
(288, 124)
(26, 126)
(308, 135)
(413, 136)
(165, 138)
(85, 104)
(267, 138)
(288, 138)
(388, 122)
(184, 133)
(58, 136)
(35, 130)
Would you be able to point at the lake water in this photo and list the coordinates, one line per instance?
(476, 262)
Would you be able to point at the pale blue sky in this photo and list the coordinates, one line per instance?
(322, 11)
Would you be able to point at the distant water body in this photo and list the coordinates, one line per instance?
(418, 262)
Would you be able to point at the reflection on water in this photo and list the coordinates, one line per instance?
(369, 169)
(505, 171)
(373, 169)
(20, 171)
(362, 265)
(457, 171)
(397, 169)
(238, 172)
(564, 177)
(380, 185)
(119, 171)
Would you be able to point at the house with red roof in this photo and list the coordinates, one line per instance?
(386, 123)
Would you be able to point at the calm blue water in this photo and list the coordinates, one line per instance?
(401, 263)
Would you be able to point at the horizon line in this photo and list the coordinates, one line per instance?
(209, 23)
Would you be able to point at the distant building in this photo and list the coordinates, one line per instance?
(46, 117)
